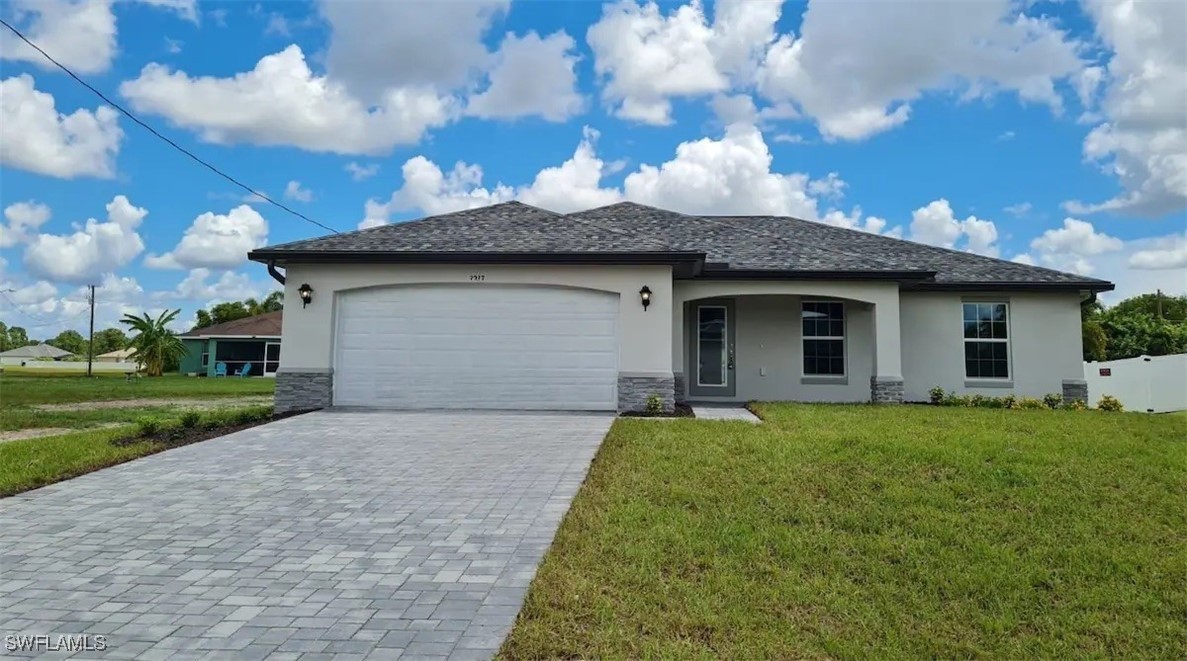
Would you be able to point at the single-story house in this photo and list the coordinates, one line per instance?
(117, 356)
(251, 341)
(514, 307)
(43, 351)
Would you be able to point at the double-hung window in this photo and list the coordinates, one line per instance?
(824, 338)
(986, 341)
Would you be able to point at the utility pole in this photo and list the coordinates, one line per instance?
(91, 339)
(1158, 294)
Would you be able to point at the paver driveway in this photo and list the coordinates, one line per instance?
(363, 534)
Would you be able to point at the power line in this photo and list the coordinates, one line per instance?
(171, 143)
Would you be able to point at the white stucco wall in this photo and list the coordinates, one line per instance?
(1044, 332)
(644, 336)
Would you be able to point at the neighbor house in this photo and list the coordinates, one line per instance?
(22, 355)
(251, 341)
(117, 356)
(514, 307)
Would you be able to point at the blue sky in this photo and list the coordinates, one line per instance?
(1049, 133)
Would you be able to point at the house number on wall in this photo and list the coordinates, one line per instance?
(477, 277)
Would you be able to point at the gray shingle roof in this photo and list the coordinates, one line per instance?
(42, 350)
(744, 243)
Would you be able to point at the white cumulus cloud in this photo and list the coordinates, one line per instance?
(531, 76)
(282, 102)
(34, 136)
(936, 224)
(23, 220)
(95, 249)
(216, 241)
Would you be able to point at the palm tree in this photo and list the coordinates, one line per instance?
(155, 346)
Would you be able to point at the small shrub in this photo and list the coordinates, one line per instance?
(1010, 401)
(952, 399)
(1053, 400)
(190, 419)
(993, 403)
(936, 395)
(1109, 403)
(1030, 403)
(655, 405)
(148, 425)
(1075, 405)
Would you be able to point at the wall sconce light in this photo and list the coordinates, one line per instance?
(306, 293)
(645, 296)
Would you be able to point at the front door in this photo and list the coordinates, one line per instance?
(711, 359)
(271, 358)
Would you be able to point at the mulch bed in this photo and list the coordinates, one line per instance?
(682, 411)
(175, 438)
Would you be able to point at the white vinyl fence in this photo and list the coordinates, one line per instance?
(70, 366)
(1155, 384)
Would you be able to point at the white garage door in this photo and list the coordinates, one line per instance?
(477, 346)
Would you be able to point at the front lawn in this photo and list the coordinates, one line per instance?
(872, 532)
(35, 462)
(23, 388)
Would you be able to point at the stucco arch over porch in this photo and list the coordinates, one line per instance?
(875, 349)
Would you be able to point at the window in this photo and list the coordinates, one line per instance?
(205, 359)
(824, 338)
(986, 341)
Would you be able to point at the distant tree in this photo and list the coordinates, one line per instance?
(70, 340)
(1157, 305)
(17, 337)
(156, 347)
(1132, 334)
(3, 336)
(1094, 339)
(232, 310)
(110, 339)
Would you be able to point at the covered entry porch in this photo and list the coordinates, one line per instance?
(738, 341)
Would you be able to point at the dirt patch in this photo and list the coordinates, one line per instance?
(38, 432)
(681, 411)
(205, 404)
(174, 438)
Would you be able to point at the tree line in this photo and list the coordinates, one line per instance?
(149, 333)
(1146, 325)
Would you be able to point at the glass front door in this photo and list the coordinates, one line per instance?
(712, 355)
(271, 358)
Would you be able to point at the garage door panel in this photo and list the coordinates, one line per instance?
(477, 347)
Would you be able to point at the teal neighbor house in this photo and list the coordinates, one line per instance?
(251, 344)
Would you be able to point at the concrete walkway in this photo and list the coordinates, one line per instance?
(709, 412)
(353, 534)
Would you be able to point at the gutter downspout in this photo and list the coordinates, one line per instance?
(276, 275)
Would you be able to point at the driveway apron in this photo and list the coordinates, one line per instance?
(351, 534)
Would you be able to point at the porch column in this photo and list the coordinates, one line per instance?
(681, 382)
(886, 385)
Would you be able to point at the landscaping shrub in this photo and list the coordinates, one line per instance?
(655, 405)
(148, 425)
(936, 395)
(1010, 401)
(1030, 403)
(1075, 405)
(190, 419)
(1109, 403)
(1053, 400)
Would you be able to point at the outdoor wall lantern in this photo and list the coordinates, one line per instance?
(645, 296)
(306, 293)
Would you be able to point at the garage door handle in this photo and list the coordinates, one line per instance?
(730, 363)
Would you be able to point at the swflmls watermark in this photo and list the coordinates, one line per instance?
(70, 642)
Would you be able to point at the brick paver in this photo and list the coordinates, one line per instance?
(345, 535)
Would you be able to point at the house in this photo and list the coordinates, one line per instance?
(22, 355)
(251, 341)
(511, 306)
(117, 356)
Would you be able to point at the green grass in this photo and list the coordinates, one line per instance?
(37, 462)
(22, 389)
(872, 532)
